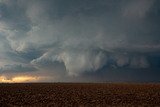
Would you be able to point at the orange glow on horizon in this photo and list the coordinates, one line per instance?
(18, 79)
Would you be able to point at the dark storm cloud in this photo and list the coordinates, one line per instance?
(13, 14)
(81, 38)
(16, 68)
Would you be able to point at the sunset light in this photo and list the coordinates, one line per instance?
(18, 79)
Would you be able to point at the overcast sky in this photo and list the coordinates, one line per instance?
(80, 40)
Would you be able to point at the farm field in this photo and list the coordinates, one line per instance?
(79, 95)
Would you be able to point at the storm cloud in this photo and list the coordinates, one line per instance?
(83, 39)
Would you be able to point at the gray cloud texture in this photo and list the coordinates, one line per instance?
(72, 38)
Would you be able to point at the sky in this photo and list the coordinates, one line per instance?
(79, 41)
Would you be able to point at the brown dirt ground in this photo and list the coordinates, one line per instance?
(79, 95)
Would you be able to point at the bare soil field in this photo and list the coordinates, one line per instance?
(79, 95)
